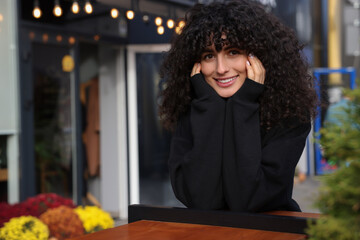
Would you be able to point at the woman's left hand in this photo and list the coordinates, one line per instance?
(255, 69)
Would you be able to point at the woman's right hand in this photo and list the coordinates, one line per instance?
(255, 69)
(196, 69)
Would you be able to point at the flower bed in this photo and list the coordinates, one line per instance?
(33, 206)
(48, 216)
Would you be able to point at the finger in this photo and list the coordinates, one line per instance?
(250, 71)
(258, 68)
(196, 69)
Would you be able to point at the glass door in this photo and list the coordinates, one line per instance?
(149, 176)
(53, 131)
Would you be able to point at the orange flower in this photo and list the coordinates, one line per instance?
(63, 222)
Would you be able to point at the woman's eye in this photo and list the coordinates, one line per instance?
(234, 52)
(208, 56)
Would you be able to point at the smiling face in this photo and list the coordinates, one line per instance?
(224, 71)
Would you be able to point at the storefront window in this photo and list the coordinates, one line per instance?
(52, 120)
(154, 141)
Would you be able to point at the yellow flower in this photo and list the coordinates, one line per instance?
(94, 219)
(25, 227)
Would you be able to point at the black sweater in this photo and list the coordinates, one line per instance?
(220, 157)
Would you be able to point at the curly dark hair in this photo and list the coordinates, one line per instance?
(289, 88)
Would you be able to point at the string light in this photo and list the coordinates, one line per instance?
(114, 13)
(75, 7)
(181, 24)
(31, 35)
(158, 21)
(72, 40)
(130, 14)
(170, 23)
(45, 37)
(57, 9)
(160, 30)
(88, 7)
(37, 11)
(179, 27)
(59, 38)
(178, 30)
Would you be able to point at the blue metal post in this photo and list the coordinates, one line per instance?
(317, 125)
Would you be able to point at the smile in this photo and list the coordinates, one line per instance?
(225, 82)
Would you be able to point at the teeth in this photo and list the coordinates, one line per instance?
(227, 80)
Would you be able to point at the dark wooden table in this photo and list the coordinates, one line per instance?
(151, 230)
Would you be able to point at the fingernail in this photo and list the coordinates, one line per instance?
(198, 64)
(251, 55)
(248, 63)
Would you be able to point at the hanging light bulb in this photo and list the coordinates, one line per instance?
(59, 38)
(75, 7)
(130, 14)
(160, 30)
(178, 30)
(37, 11)
(72, 40)
(57, 9)
(158, 21)
(88, 7)
(170, 23)
(181, 24)
(114, 13)
(45, 37)
(179, 27)
(31, 35)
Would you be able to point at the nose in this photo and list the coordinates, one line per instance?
(222, 66)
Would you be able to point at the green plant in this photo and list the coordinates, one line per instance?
(339, 198)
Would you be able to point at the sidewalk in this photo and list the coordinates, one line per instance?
(306, 192)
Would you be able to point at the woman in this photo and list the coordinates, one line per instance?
(240, 99)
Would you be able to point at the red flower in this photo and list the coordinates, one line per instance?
(33, 206)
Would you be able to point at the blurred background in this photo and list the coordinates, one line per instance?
(79, 81)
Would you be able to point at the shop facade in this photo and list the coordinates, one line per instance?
(80, 93)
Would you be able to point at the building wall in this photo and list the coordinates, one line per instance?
(9, 93)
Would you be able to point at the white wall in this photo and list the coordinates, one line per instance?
(113, 142)
(9, 124)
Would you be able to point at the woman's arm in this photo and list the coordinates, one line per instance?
(196, 150)
(258, 174)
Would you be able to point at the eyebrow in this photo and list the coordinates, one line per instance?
(227, 47)
(207, 50)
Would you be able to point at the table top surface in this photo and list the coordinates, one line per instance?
(150, 230)
(294, 214)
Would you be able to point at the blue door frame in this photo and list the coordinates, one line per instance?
(317, 125)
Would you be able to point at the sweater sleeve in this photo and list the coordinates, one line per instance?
(196, 153)
(258, 174)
